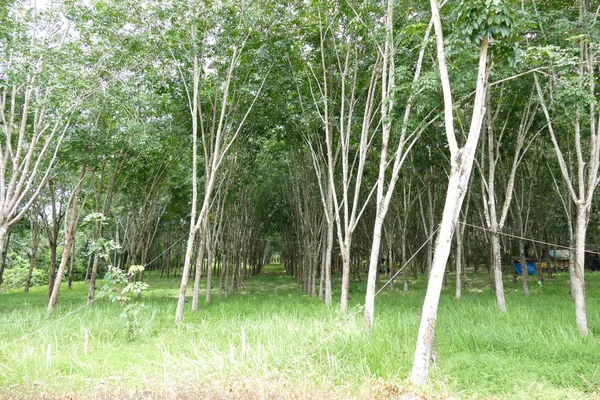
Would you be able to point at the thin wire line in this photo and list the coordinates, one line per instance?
(167, 249)
(79, 308)
(526, 238)
(411, 258)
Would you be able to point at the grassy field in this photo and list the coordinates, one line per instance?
(297, 348)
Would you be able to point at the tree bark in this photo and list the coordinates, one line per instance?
(70, 280)
(498, 281)
(524, 272)
(461, 163)
(5, 245)
(35, 234)
(345, 275)
(199, 264)
(577, 277)
(69, 239)
(459, 256)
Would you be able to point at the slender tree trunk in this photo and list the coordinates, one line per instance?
(222, 275)
(459, 257)
(199, 264)
(35, 234)
(372, 275)
(391, 266)
(524, 272)
(313, 278)
(227, 277)
(185, 276)
(322, 269)
(345, 273)
(87, 271)
(404, 258)
(209, 270)
(93, 276)
(456, 193)
(328, 252)
(53, 235)
(52, 273)
(69, 239)
(497, 260)
(5, 246)
(577, 276)
(70, 281)
(461, 163)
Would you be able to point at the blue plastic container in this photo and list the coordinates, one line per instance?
(530, 267)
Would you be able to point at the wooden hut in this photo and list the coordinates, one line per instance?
(560, 258)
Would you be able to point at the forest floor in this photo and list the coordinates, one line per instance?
(295, 347)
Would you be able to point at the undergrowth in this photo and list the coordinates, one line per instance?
(273, 333)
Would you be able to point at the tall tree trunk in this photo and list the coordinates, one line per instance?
(345, 274)
(199, 264)
(461, 163)
(69, 239)
(459, 259)
(93, 276)
(53, 233)
(313, 278)
(5, 246)
(577, 276)
(185, 276)
(222, 274)
(524, 271)
(369, 314)
(70, 281)
(328, 250)
(35, 235)
(209, 268)
(497, 266)
(227, 277)
(52, 272)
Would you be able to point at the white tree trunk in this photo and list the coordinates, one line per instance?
(69, 238)
(345, 250)
(185, 275)
(459, 266)
(577, 277)
(498, 282)
(461, 164)
(327, 256)
(372, 274)
(199, 265)
(454, 198)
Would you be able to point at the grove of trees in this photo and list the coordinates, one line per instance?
(357, 139)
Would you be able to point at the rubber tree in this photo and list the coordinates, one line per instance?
(69, 234)
(346, 102)
(499, 130)
(213, 56)
(479, 30)
(52, 216)
(406, 140)
(36, 108)
(569, 105)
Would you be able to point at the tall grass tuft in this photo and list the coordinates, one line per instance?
(293, 344)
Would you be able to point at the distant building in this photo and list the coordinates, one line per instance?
(560, 258)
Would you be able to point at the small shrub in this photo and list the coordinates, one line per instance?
(16, 277)
(15, 260)
(123, 290)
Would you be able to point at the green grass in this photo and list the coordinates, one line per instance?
(295, 345)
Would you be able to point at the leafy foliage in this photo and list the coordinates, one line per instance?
(123, 290)
(17, 276)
